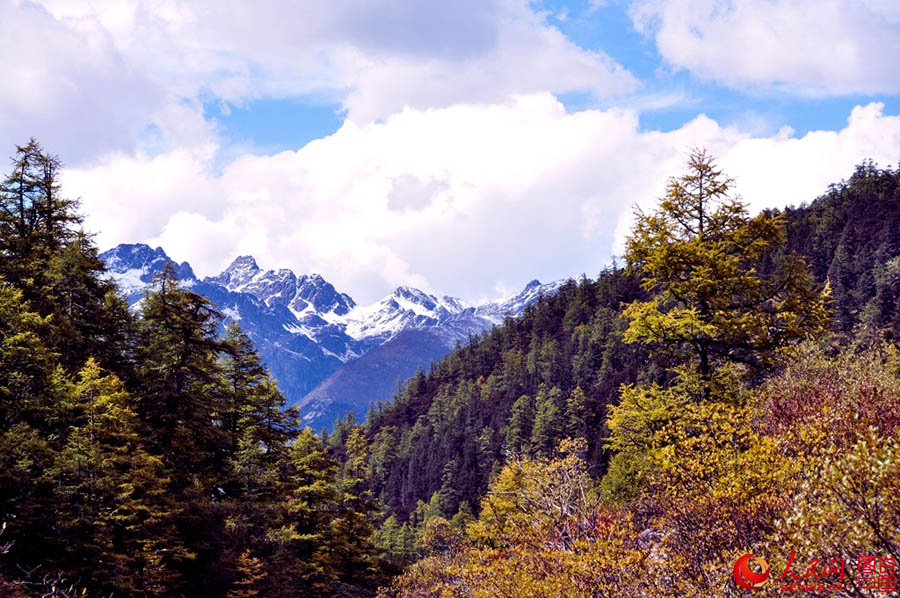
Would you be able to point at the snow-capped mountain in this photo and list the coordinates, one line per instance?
(414, 329)
(496, 311)
(300, 352)
(302, 295)
(403, 309)
(134, 266)
(320, 345)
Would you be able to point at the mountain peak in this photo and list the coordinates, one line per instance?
(133, 266)
(242, 262)
(409, 292)
(316, 291)
(131, 255)
(238, 274)
(514, 305)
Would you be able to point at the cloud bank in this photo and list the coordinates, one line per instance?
(470, 199)
(810, 47)
(92, 76)
(456, 169)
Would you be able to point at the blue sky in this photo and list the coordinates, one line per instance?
(463, 147)
(273, 125)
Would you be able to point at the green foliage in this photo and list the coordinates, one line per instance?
(745, 296)
(819, 480)
(848, 236)
(549, 421)
(700, 255)
(700, 456)
(541, 532)
(520, 388)
(148, 455)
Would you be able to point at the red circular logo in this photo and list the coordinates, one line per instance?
(746, 578)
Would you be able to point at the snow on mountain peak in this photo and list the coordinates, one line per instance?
(306, 296)
(243, 262)
(133, 267)
(404, 293)
(496, 310)
(315, 291)
(405, 308)
(238, 274)
(312, 305)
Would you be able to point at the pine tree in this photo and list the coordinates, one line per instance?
(26, 364)
(351, 551)
(701, 256)
(35, 220)
(252, 575)
(44, 253)
(28, 423)
(181, 400)
(252, 400)
(577, 415)
(180, 381)
(548, 422)
(517, 432)
(111, 493)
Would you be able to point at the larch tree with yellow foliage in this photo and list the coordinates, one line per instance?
(723, 302)
(715, 296)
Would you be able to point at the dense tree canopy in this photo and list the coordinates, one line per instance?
(149, 454)
(718, 459)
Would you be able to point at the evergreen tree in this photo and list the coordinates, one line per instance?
(549, 422)
(252, 400)
(43, 253)
(577, 415)
(111, 493)
(252, 576)
(518, 431)
(180, 381)
(151, 457)
(350, 548)
(181, 401)
(26, 364)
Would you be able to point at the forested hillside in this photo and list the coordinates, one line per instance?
(555, 372)
(520, 388)
(851, 237)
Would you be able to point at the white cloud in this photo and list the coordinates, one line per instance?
(806, 46)
(773, 171)
(495, 194)
(525, 56)
(90, 76)
(457, 169)
(66, 84)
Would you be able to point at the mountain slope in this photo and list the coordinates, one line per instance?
(552, 372)
(298, 353)
(375, 376)
(306, 330)
(415, 329)
(563, 358)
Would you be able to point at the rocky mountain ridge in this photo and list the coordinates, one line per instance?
(306, 330)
